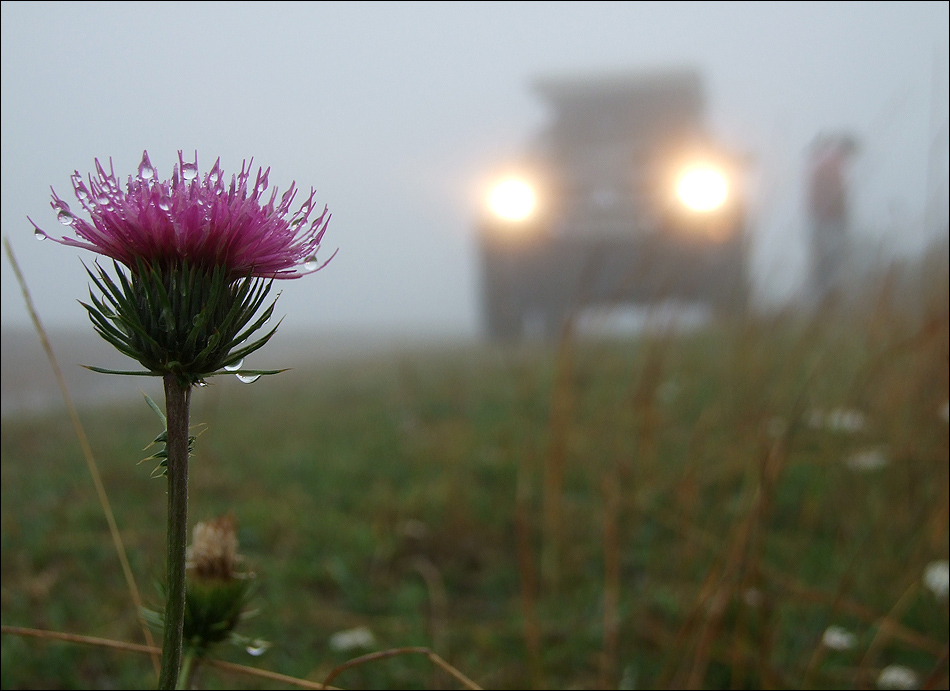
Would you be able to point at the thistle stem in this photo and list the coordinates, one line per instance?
(177, 400)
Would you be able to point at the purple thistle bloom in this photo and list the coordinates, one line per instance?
(199, 221)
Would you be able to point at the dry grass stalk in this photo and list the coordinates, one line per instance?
(611, 490)
(562, 408)
(885, 631)
(393, 652)
(529, 578)
(87, 454)
(438, 603)
(152, 650)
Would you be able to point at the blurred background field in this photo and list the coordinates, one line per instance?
(663, 510)
(631, 371)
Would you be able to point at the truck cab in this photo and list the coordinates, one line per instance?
(623, 199)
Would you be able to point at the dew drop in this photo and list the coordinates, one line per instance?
(257, 648)
(65, 217)
(311, 263)
(189, 171)
(146, 172)
(213, 177)
(164, 204)
(102, 198)
(39, 234)
(297, 221)
(247, 378)
(234, 367)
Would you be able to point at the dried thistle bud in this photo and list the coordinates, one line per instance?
(213, 554)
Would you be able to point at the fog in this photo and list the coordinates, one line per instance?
(397, 114)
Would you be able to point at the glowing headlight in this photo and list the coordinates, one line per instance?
(702, 189)
(512, 200)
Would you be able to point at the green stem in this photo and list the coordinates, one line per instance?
(189, 665)
(177, 400)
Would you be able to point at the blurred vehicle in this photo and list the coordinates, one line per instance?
(624, 199)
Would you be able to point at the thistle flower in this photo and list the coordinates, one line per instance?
(202, 222)
(194, 259)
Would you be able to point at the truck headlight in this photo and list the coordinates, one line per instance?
(512, 200)
(702, 189)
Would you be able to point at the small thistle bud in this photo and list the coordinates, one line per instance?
(216, 592)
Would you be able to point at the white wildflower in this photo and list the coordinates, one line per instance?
(937, 578)
(867, 460)
(838, 638)
(845, 420)
(352, 639)
(837, 420)
(897, 677)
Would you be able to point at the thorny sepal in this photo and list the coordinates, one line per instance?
(183, 320)
(161, 470)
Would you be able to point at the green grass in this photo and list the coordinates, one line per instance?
(733, 547)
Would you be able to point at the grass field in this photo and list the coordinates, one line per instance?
(675, 510)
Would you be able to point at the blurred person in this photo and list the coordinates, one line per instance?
(828, 212)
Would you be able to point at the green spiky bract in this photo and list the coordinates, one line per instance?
(181, 320)
(213, 609)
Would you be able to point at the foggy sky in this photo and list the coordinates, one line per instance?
(397, 114)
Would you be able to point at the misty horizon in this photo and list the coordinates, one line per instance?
(398, 114)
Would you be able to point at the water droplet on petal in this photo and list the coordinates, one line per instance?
(189, 171)
(247, 378)
(297, 221)
(234, 367)
(102, 198)
(213, 177)
(39, 234)
(164, 203)
(65, 217)
(311, 263)
(146, 172)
